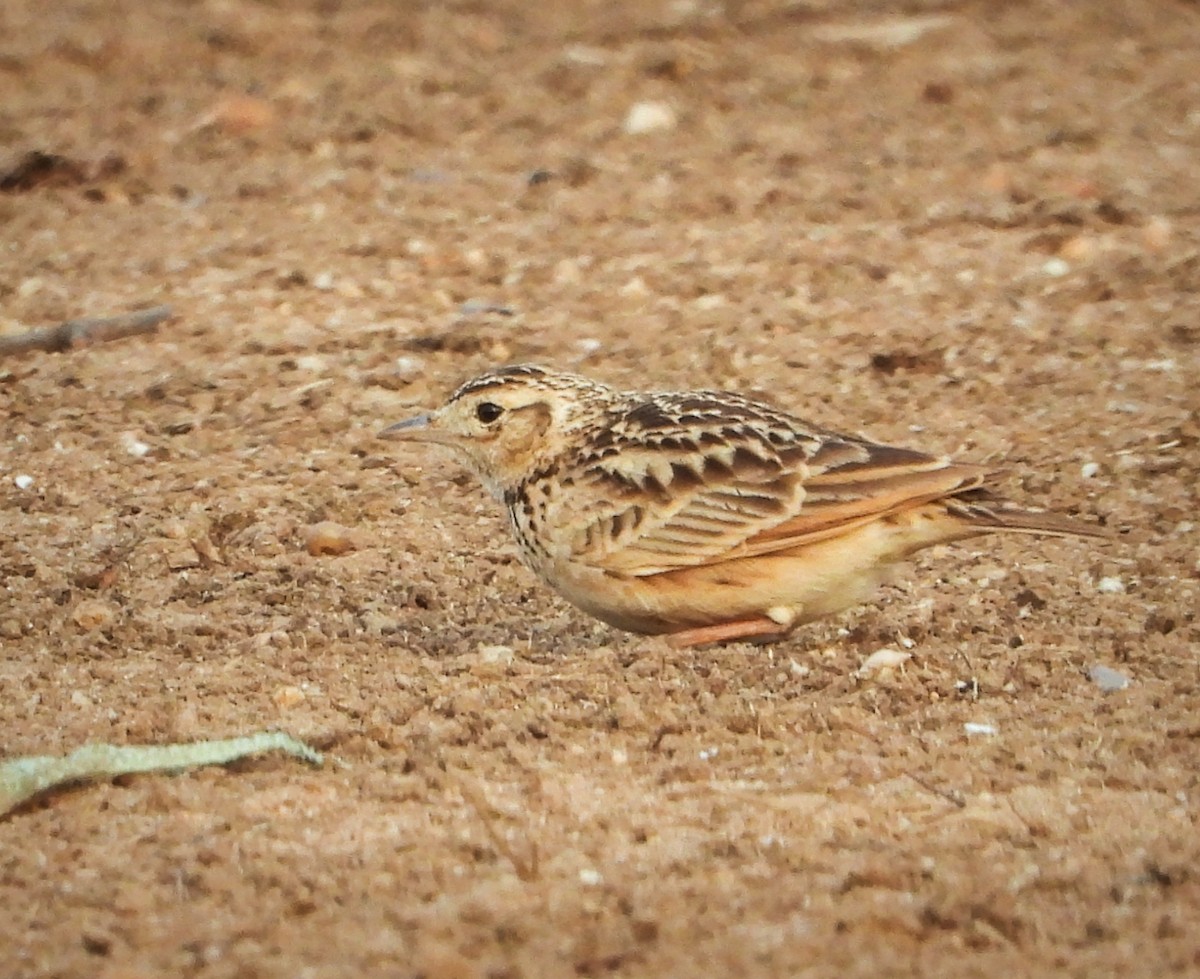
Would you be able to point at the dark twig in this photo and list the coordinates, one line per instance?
(80, 333)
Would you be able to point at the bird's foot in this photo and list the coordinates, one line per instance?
(759, 629)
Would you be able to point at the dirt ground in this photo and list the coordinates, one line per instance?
(966, 227)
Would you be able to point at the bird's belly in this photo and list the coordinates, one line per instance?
(795, 586)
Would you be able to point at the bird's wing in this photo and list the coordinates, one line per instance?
(756, 486)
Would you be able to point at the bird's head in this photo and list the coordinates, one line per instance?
(509, 422)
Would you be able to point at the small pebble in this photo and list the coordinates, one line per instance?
(327, 537)
(288, 696)
(650, 117)
(1056, 267)
(1157, 234)
(23, 482)
(883, 659)
(314, 363)
(409, 368)
(1110, 586)
(590, 878)
(1108, 680)
(973, 727)
(91, 614)
(133, 445)
(1078, 249)
(496, 654)
(240, 114)
(881, 32)
(1089, 470)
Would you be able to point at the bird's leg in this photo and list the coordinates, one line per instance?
(760, 629)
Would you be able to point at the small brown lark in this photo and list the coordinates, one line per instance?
(704, 514)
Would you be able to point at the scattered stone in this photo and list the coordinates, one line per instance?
(327, 537)
(998, 179)
(883, 660)
(93, 614)
(1108, 680)
(23, 482)
(496, 654)
(206, 550)
(1110, 586)
(133, 445)
(239, 115)
(891, 32)
(1156, 234)
(650, 117)
(181, 557)
(475, 307)
(1089, 470)
(288, 696)
(1078, 249)
(976, 727)
(1056, 268)
(408, 369)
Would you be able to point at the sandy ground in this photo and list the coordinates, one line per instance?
(968, 227)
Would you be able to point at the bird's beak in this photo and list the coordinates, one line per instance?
(421, 428)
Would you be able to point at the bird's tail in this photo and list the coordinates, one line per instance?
(984, 510)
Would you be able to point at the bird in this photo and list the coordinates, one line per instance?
(708, 516)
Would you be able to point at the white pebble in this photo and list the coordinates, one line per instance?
(1089, 470)
(1110, 586)
(973, 727)
(314, 363)
(323, 281)
(133, 445)
(496, 654)
(582, 54)
(883, 659)
(886, 32)
(1108, 680)
(649, 117)
(1056, 267)
(590, 878)
(707, 754)
(23, 482)
(409, 368)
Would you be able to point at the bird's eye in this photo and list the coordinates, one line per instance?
(487, 412)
